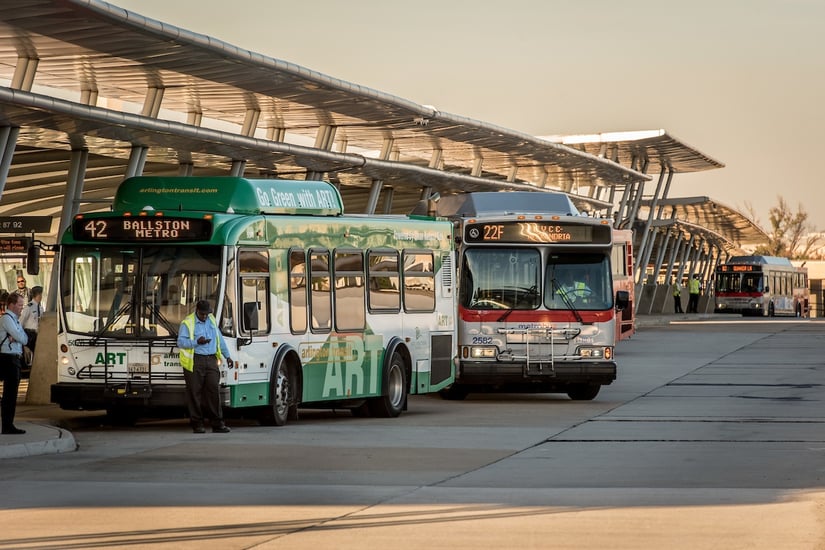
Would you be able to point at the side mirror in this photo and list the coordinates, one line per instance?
(250, 316)
(767, 288)
(33, 259)
(622, 299)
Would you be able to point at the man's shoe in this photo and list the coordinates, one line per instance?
(199, 430)
(221, 430)
(13, 431)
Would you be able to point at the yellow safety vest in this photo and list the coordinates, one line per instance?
(694, 286)
(187, 355)
(676, 290)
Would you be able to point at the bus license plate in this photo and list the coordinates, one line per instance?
(137, 368)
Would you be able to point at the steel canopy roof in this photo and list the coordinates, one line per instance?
(222, 103)
(107, 80)
(654, 149)
(711, 215)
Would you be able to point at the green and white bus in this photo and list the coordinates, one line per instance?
(320, 309)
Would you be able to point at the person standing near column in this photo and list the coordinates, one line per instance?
(30, 318)
(694, 287)
(677, 296)
(12, 340)
(202, 348)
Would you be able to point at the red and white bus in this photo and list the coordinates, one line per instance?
(519, 329)
(622, 262)
(762, 285)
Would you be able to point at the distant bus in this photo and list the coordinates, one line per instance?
(622, 262)
(319, 309)
(519, 329)
(763, 286)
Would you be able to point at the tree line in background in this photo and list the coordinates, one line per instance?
(791, 234)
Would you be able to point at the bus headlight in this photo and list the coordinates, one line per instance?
(483, 352)
(605, 352)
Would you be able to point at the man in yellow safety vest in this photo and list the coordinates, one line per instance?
(694, 288)
(202, 348)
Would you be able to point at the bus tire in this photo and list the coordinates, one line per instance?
(583, 392)
(394, 392)
(282, 406)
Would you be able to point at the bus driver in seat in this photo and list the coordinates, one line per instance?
(574, 287)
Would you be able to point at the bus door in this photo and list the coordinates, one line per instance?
(253, 314)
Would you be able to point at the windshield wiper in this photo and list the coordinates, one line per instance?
(566, 299)
(114, 318)
(165, 323)
(529, 294)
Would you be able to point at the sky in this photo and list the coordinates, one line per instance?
(742, 81)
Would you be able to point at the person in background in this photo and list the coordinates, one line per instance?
(677, 296)
(202, 348)
(575, 287)
(4, 295)
(30, 318)
(22, 289)
(694, 288)
(12, 340)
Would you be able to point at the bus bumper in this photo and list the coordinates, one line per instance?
(538, 376)
(90, 397)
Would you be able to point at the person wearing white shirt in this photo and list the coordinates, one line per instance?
(30, 318)
(12, 340)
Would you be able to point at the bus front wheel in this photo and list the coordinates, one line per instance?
(394, 398)
(583, 392)
(281, 403)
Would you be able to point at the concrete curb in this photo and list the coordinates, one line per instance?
(39, 439)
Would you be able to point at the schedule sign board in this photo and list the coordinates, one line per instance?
(14, 245)
(25, 224)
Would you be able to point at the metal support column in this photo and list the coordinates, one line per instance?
(8, 142)
(671, 268)
(71, 206)
(685, 259)
(660, 257)
(238, 167)
(137, 160)
(646, 246)
(24, 71)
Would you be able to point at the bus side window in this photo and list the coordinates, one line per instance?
(297, 291)
(253, 267)
(320, 296)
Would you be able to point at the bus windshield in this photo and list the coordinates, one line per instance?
(739, 282)
(505, 279)
(501, 278)
(135, 292)
(580, 281)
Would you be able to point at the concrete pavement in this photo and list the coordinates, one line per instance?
(42, 438)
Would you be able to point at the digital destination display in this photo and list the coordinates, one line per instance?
(142, 228)
(737, 268)
(537, 232)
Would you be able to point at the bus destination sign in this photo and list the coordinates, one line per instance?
(736, 268)
(538, 232)
(141, 228)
